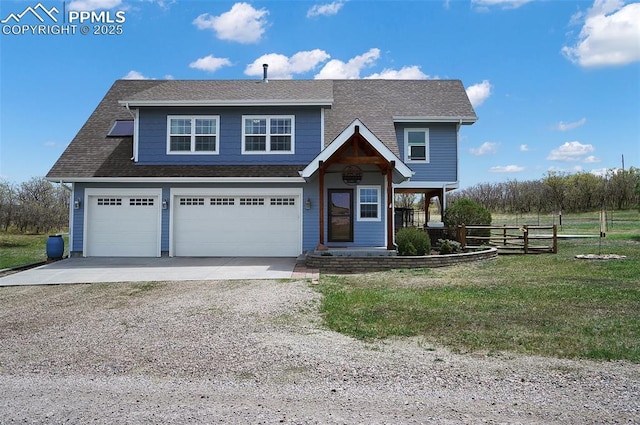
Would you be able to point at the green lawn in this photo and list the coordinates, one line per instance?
(18, 250)
(544, 304)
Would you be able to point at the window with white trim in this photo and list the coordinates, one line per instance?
(191, 201)
(109, 201)
(267, 134)
(251, 201)
(141, 202)
(368, 203)
(196, 134)
(416, 144)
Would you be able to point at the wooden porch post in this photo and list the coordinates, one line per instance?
(390, 167)
(321, 245)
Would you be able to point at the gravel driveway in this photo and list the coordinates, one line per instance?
(253, 352)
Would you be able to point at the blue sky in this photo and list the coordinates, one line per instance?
(555, 84)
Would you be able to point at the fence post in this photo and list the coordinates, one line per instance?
(504, 235)
(462, 235)
(555, 239)
(526, 239)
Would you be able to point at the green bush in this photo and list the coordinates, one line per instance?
(471, 213)
(412, 241)
(449, 247)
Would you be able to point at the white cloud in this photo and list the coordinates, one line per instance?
(591, 159)
(283, 67)
(610, 35)
(405, 73)
(564, 126)
(134, 75)
(484, 149)
(506, 169)
(336, 69)
(242, 23)
(50, 144)
(210, 63)
(89, 5)
(505, 4)
(570, 152)
(524, 148)
(478, 93)
(325, 9)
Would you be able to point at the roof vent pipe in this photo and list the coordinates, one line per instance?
(264, 73)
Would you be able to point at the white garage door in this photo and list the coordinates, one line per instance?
(122, 226)
(249, 225)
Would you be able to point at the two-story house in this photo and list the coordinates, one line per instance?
(257, 167)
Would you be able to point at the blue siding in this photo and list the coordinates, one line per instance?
(77, 220)
(152, 142)
(310, 217)
(443, 152)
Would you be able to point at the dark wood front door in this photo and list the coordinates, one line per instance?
(340, 215)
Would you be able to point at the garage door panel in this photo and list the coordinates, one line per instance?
(237, 226)
(122, 226)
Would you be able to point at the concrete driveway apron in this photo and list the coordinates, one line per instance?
(109, 269)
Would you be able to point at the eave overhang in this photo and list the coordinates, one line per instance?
(430, 119)
(213, 103)
(176, 179)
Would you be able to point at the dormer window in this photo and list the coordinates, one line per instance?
(267, 134)
(192, 134)
(416, 144)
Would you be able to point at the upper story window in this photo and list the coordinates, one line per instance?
(416, 144)
(267, 134)
(192, 134)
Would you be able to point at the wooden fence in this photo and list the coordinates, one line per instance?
(517, 239)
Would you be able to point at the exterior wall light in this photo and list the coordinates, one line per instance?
(77, 204)
(307, 204)
(165, 204)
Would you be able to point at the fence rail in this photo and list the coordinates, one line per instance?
(525, 239)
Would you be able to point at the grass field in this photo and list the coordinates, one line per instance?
(18, 250)
(544, 304)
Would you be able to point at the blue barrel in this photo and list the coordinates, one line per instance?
(55, 247)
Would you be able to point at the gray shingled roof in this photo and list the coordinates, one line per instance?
(375, 102)
(241, 91)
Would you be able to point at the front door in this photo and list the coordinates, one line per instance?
(340, 215)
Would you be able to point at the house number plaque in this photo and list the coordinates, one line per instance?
(352, 175)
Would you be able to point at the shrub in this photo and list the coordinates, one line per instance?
(449, 247)
(412, 241)
(469, 212)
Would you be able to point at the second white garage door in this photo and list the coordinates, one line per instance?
(229, 225)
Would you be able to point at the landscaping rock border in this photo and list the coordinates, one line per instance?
(363, 264)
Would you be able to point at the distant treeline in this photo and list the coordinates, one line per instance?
(580, 192)
(34, 206)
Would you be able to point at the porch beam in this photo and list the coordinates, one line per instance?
(376, 160)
